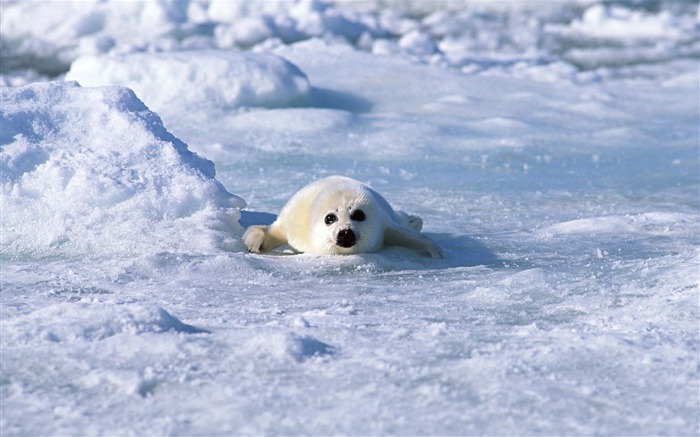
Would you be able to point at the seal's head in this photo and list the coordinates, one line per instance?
(346, 221)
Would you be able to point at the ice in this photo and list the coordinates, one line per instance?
(550, 148)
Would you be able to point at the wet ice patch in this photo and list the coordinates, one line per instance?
(92, 171)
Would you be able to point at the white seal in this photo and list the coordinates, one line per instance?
(339, 215)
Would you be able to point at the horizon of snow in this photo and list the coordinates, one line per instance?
(573, 40)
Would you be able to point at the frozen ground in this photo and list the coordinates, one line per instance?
(551, 149)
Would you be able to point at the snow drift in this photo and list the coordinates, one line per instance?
(92, 171)
(198, 81)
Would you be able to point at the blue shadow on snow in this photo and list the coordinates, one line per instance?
(330, 99)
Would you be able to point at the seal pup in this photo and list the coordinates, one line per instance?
(339, 215)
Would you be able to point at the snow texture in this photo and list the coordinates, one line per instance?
(550, 148)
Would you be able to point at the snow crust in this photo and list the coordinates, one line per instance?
(550, 148)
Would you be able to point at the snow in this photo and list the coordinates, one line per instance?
(81, 168)
(198, 80)
(615, 22)
(551, 150)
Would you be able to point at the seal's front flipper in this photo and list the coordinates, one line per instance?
(400, 236)
(263, 238)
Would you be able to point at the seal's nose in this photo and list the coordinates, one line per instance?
(346, 238)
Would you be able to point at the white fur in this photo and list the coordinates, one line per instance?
(301, 224)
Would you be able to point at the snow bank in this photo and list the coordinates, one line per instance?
(92, 171)
(198, 81)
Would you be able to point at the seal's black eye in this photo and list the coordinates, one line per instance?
(358, 216)
(330, 219)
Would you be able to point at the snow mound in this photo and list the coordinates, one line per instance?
(198, 81)
(84, 322)
(92, 171)
(289, 345)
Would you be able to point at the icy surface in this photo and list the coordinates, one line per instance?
(550, 148)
